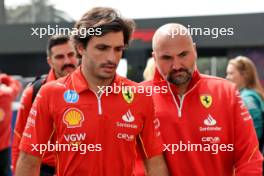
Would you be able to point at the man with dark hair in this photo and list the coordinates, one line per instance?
(96, 133)
(61, 57)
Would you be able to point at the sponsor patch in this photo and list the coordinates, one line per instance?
(73, 118)
(71, 96)
(206, 100)
(128, 96)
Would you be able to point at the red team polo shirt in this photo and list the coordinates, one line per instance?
(208, 130)
(22, 115)
(6, 99)
(108, 126)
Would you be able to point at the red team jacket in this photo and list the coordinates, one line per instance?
(22, 115)
(94, 135)
(208, 131)
(6, 98)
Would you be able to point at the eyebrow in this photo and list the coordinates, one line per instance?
(183, 53)
(59, 55)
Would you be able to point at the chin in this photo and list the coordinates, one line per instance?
(107, 75)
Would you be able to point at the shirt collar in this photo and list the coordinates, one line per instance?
(81, 84)
(51, 76)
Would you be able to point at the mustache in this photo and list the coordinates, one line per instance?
(67, 65)
(109, 63)
(179, 70)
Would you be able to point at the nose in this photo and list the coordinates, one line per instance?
(176, 63)
(111, 56)
(67, 59)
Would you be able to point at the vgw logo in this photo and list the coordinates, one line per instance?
(75, 137)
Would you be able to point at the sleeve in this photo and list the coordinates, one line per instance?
(248, 159)
(150, 136)
(22, 114)
(39, 127)
(255, 111)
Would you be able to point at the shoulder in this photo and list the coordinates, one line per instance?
(214, 81)
(250, 95)
(27, 93)
(249, 92)
(55, 86)
(146, 83)
(126, 81)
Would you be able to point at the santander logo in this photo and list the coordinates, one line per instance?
(209, 121)
(128, 117)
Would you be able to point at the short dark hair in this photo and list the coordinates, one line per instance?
(56, 40)
(108, 20)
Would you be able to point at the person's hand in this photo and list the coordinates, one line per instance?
(5, 89)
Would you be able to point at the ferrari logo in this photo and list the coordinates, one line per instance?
(128, 96)
(206, 100)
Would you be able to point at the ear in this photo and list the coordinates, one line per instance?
(49, 61)
(194, 48)
(153, 55)
(80, 49)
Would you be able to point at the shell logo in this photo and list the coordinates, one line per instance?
(73, 118)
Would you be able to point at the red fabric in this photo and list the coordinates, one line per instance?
(6, 99)
(22, 115)
(83, 122)
(225, 122)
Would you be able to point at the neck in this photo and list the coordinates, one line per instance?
(182, 89)
(95, 83)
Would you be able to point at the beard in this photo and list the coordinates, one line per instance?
(180, 76)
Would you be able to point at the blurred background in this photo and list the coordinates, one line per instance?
(24, 55)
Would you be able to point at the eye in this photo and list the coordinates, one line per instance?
(119, 49)
(102, 47)
(183, 54)
(166, 57)
(71, 54)
(59, 56)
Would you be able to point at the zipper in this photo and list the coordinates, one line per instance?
(100, 110)
(179, 108)
(99, 102)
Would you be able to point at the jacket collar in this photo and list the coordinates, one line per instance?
(81, 84)
(51, 76)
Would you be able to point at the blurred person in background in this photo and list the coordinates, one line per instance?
(9, 89)
(242, 71)
(149, 71)
(61, 57)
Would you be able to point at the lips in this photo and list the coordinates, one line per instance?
(109, 66)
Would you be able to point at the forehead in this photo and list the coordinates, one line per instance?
(176, 44)
(110, 39)
(231, 68)
(62, 48)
